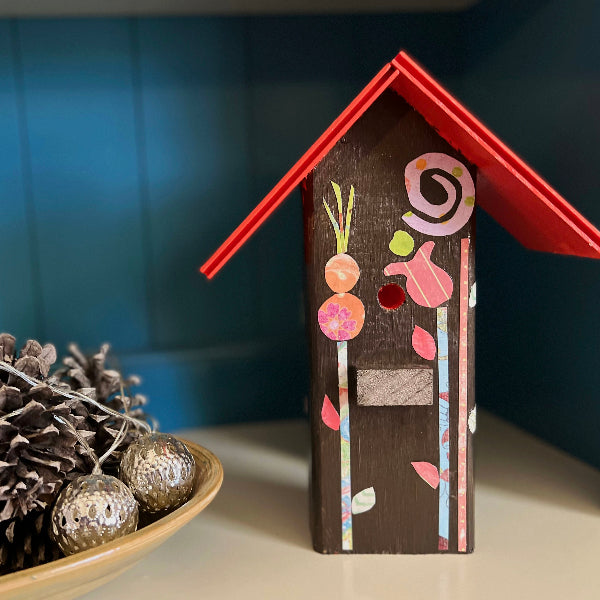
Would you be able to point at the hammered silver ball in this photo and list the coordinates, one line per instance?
(92, 510)
(159, 470)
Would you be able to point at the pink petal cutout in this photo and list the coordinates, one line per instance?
(329, 414)
(423, 343)
(428, 473)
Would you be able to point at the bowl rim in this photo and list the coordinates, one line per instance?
(133, 542)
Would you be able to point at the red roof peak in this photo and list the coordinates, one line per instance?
(510, 191)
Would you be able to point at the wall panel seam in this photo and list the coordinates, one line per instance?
(143, 178)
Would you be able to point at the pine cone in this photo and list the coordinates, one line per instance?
(37, 455)
(88, 375)
(81, 372)
(34, 360)
(26, 543)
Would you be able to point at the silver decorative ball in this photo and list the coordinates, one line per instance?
(92, 510)
(159, 470)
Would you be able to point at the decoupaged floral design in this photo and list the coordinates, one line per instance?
(336, 322)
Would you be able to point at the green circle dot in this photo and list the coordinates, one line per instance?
(470, 200)
(457, 171)
(402, 243)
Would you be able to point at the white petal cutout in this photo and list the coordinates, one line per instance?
(473, 295)
(363, 501)
(473, 420)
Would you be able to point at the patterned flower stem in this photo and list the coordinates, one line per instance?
(342, 349)
(444, 427)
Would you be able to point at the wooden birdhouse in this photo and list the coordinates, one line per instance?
(389, 192)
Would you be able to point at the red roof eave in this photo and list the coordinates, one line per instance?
(512, 193)
(507, 188)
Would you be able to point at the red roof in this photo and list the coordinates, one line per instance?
(510, 191)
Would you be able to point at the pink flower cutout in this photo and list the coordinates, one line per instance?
(336, 323)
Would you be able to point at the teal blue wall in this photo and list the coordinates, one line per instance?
(532, 72)
(131, 147)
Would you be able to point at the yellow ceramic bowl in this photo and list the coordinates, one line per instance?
(75, 575)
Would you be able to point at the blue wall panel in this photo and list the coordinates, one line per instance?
(241, 382)
(194, 99)
(79, 110)
(131, 147)
(535, 81)
(296, 93)
(434, 39)
(19, 304)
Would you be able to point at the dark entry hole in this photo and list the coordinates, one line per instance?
(391, 296)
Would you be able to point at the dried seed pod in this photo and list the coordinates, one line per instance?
(92, 510)
(159, 470)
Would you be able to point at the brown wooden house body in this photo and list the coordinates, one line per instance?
(391, 184)
(385, 440)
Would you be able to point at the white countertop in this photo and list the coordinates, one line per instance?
(537, 520)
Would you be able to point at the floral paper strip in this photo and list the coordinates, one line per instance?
(462, 395)
(342, 348)
(444, 427)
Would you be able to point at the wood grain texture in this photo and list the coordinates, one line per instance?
(385, 440)
(394, 387)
